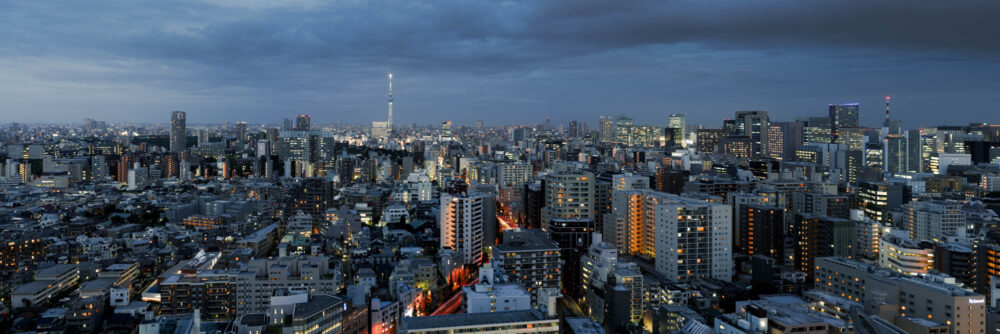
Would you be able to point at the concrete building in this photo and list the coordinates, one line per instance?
(569, 194)
(497, 322)
(48, 283)
(492, 295)
(254, 285)
(693, 239)
(468, 223)
(819, 236)
(906, 256)
(939, 220)
(530, 258)
(513, 174)
(894, 297)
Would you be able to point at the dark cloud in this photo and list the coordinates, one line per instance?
(525, 58)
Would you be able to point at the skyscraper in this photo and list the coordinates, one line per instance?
(677, 122)
(202, 138)
(302, 123)
(574, 129)
(753, 124)
(842, 116)
(241, 135)
(178, 131)
(606, 129)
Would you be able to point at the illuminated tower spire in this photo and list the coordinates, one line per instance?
(388, 122)
(886, 124)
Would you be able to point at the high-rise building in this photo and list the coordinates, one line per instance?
(678, 123)
(842, 116)
(302, 123)
(513, 173)
(468, 224)
(531, 258)
(693, 239)
(202, 138)
(854, 138)
(569, 194)
(606, 130)
(574, 129)
(817, 130)
(938, 220)
(178, 131)
(241, 135)
(878, 198)
(446, 129)
(738, 146)
(707, 140)
(753, 124)
(762, 231)
(687, 238)
(818, 236)
(782, 139)
(895, 153)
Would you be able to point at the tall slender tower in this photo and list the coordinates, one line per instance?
(886, 124)
(388, 122)
(178, 131)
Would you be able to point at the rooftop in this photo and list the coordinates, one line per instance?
(471, 319)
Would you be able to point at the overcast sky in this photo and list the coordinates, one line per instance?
(505, 62)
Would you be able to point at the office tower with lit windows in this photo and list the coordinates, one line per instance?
(707, 140)
(782, 139)
(623, 129)
(302, 123)
(678, 123)
(928, 148)
(241, 135)
(606, 129)
(178, 131)
(842, 116)
(878, 198)
(853, 138)
(753, 124)
(816, 130)
(818, 236)
(738, 146)
(467, 225)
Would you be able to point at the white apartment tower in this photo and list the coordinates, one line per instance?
(464, 225)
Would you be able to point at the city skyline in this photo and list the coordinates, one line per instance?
(249, 61)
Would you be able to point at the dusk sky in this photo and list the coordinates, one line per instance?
(505, 62)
